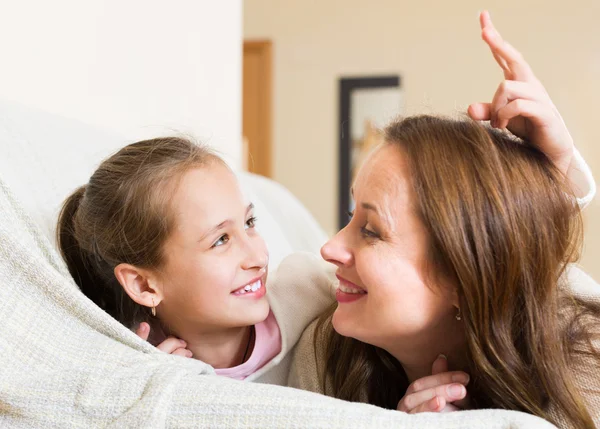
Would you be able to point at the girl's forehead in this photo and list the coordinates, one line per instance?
(206, 191)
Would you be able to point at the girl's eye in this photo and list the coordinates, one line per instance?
(221, 241)
(251, 223)
(350, 214)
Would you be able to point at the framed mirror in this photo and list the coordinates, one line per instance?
(367, 104)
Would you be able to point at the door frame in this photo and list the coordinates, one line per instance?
(264, 48)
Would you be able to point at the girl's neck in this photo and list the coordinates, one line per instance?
(225, 348)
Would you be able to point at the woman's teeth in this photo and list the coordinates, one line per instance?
(347, 289)
(249, 288)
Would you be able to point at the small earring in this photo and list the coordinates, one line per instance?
(458, 315)
(153, 309)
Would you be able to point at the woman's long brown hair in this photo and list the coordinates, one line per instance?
(504, 225)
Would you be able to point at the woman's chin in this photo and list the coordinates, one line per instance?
(343, 323)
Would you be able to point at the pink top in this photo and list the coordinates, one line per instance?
(267, 345)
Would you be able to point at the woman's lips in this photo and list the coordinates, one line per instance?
(348, 291)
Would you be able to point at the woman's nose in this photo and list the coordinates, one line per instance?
(336, 250)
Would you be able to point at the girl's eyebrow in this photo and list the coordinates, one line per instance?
(224, 224)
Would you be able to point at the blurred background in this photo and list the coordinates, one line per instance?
(294, 90)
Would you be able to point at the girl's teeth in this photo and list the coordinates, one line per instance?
(249, 288)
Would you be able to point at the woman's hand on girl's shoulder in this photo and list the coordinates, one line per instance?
(171, 345)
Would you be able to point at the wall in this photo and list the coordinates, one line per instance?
(444, 65)
(140, 68)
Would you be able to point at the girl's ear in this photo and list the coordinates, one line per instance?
(139, 284)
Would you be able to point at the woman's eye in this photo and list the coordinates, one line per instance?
(251, 223)
(221, 241)
(367, 233)
(350, 214)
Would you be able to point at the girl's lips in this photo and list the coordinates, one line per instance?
(253, 294)
(254, 289)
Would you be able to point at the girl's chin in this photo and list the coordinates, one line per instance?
(258, 315)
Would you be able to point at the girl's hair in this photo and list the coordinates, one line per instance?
(123, 216)
(503, 226)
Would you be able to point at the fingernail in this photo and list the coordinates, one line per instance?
(456, 390)
(442, 356)
(461, 378)
(189, 354)
(183, 343)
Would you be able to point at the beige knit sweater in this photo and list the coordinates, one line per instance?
(298, 292)
(307, 364)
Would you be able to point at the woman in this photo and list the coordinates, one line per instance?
(456, 258)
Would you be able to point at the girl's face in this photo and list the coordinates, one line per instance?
(384, 294)
(215, 263)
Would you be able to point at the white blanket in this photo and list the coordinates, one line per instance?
(65, 363)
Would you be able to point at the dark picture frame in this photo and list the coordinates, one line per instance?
(346, 87)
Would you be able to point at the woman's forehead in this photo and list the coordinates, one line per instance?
(383, 181)
(383, 171)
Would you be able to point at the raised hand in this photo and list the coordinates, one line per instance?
(521, 103)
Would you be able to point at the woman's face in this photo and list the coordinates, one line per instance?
(215, 269)
(384, 294)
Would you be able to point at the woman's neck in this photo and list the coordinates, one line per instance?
(417, 354)
(221, 349)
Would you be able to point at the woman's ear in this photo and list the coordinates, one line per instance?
(454, 298)
(139, 284)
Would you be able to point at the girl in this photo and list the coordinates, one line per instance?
(162, 235)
